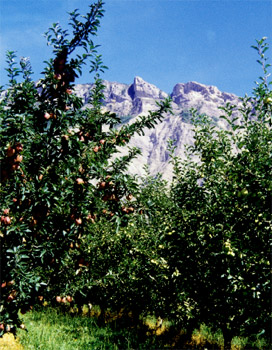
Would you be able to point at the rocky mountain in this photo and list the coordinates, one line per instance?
(130, 101)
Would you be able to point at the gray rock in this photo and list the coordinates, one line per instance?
(140, 97)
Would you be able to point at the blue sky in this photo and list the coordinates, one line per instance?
(163, 41)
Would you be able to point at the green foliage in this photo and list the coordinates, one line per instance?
(223, 242)
(77, 229)
(57, 172)
(51, 329)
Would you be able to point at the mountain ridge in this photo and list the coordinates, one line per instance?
(140, 97)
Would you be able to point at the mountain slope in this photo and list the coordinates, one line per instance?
(138, 98)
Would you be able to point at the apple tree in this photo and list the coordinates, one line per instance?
(222, 244)
(58, 173)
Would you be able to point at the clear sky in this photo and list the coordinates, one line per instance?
(163, 41)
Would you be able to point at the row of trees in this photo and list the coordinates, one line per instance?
(77, 229)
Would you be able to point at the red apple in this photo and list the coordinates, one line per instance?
(19, 147)
(79, 181)
(15, 166)
(19, 158)
(78, 221)
(57, 76)
(10, 298)
(7, 220)
(102, 185)
(69, 298)
(10, 151)
(129, 197)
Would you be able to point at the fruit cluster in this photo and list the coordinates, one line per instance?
(12, 161)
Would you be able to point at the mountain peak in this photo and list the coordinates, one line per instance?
(142, 89)
(194, 91)
(138, 98)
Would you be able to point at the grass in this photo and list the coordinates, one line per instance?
(51, 329)
(8, 342)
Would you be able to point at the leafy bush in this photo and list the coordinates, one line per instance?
(222, 242)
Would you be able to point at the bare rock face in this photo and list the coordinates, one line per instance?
(205, 98)
(140, 97)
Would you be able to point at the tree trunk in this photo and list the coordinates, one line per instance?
(227, 338)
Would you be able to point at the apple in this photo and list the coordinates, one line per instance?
(102, 185)
(243, 193)
(57, 76)
(268, 100)
(102, 142)
(22, 326)
(15, 166)
(40, 177)
(129, 197)
(40, 297)
(58, 299)
(90, 218)
(7, 220)
(19, 147)
(10, 298)
(47, 115)
(96, 149)
(125, 209)
(33, 222)
(64, 300)
(2, 326)
(4, 284)
(6, 211)
(79, 181)
(14, 200)
(69, 298)
(78, 221)
(19, 158)
(10, 151)
(69, 91)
